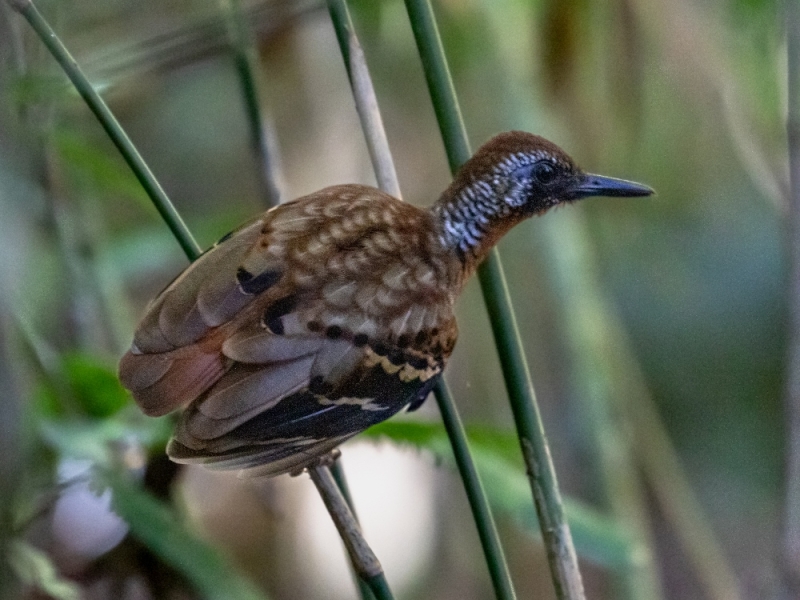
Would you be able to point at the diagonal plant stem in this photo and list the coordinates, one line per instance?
(363, 558)
(111, 126)
(789, 569)
(364, 96)
(372, 125)
(637, 411)
(341, 482)
(541, 473)
(261, 136)
(478, 502)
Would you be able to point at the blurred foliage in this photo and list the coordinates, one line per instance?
(93, 164)
(157, 525)
(686, 96)
(91, 384)
(497, 457)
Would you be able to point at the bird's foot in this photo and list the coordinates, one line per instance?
(326, 460)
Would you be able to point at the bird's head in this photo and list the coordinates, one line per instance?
(529, 173)
(513, 176)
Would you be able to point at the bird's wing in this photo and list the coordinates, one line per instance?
(175, 355)
(296, 332)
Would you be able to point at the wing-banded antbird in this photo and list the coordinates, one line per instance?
(333, 312)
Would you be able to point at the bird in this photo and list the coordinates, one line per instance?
(334, 311)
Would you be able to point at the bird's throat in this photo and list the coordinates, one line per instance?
(472, 219)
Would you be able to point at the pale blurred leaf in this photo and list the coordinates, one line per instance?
(34, 568)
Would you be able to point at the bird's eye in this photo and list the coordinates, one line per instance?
(544, 172)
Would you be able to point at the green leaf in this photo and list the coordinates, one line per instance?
(160, 528)
(95, 385)
(90, 385)
(497, 457)
(34, 568)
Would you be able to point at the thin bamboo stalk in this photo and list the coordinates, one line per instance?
(476, 495)
(541, 473)
(372, 124)
(245, 59)
(365, 99)
(789, 569)
(361, 555)
(341, 482)
(654, 451)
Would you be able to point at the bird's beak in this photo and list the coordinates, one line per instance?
(587, 185)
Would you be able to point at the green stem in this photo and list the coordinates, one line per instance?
(366, 564)
(244, 56)
(530, 429)
(379, 587)
(341, 482)
(386, 175)
(541, 473)
(440, 84)
(365, 99)
(111, 126)
(343, 27)
(487, 531)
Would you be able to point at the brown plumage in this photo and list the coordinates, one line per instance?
(332, 312)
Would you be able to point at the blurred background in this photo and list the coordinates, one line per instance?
(654, 327)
